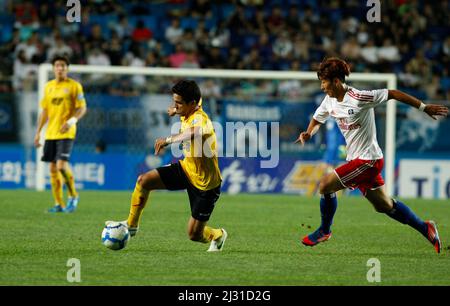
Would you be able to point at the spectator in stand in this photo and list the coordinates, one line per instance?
(220, 36)
(369, 53)
(251, 60)
(201, 9)
(152, 59)
(293, 19)
(19, 70)
(96, 39)
(214, 59)
(350, 49)
(233, 59)
(265, 48)
(237, 22)
(191, 60)
(134, 58)
(123, 29)
(31, 47)
(420, 66)
(174, 32)
(46, 14)
(188, 41)
(141, 33)
(114, 50)
(178, 57)
(412, 24)
(26, 14)
(388, 52)
(275, 20)
(283, 46)
(301, 48)
(59, 48)
(97, 57)
(258, 22)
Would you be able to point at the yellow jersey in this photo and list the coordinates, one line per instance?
(200, 163)
(60, 100)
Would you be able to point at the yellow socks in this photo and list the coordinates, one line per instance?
(210, 234)
(70, 182)
(57, 188)
(138, 201)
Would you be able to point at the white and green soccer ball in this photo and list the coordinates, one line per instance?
(115, 236)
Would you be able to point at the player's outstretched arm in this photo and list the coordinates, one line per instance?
(431, 110)
(313, 127)
(186, 135)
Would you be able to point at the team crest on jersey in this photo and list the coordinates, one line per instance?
(351, 111)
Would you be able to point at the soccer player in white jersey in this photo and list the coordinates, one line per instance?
(353, 111)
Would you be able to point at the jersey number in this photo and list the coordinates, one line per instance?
(57, 101)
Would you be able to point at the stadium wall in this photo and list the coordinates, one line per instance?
(418, 178)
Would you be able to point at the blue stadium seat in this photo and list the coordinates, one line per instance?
(6, 33)
(250, 40)
(6, 19)
(103, 20)
(445, 83)
(438, 32)
(188, 23)
(211, 22)
(225, 10)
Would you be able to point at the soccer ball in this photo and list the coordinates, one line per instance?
(115, 236)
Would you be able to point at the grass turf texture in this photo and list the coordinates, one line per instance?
(263, 246)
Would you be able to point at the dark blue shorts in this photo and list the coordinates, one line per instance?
(59, 149)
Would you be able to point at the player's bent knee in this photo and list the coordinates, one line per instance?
(380, 209)
(148, 180)
(324, 187)
(383, 207)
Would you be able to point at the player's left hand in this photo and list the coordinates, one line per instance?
(434, 110)
(172, 111)
(65, 128)
(160, 143)
(303, 137)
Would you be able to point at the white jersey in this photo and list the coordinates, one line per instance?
(356, 120)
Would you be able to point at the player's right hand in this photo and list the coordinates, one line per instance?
(37, 137)
(160, 143)
(303, 137)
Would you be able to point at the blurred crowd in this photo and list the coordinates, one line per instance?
(412, 40)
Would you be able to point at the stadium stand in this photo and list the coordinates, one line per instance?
(296, 36)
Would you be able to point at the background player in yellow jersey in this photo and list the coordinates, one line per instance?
(62, 106)
(198, 172)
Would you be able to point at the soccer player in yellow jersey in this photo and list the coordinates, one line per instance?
(198, 172)
(62, 106)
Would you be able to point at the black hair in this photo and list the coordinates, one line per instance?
(188, 90)
(60, 58)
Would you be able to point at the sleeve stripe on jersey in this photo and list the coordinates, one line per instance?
(359, 98)
(360, 95)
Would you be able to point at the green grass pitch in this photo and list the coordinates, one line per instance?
(263, 246)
